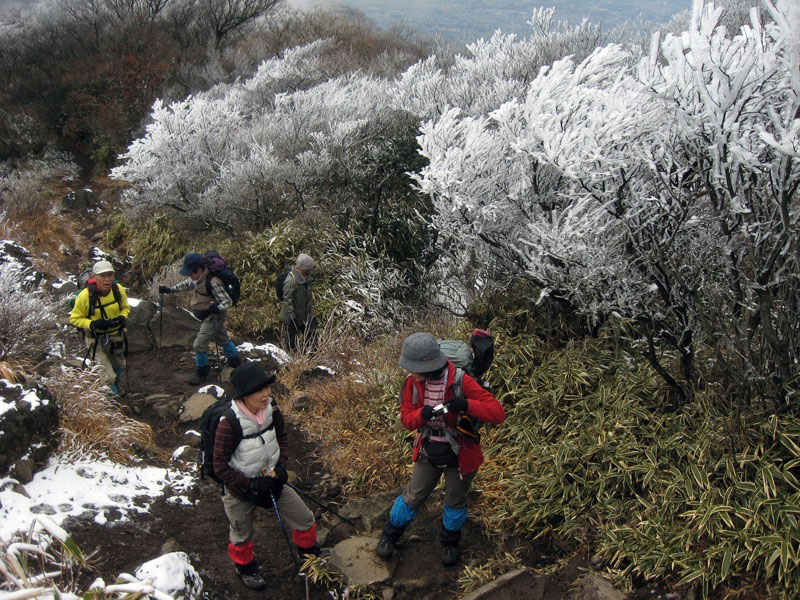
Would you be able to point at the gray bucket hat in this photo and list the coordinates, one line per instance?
(304, 262)
(421, 354)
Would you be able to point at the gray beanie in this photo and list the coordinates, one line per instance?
(421, 354)
(304, 262)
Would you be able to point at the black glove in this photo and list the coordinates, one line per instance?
(459, 405)
(120, 320)
(264, 486)
(214, 309)
(427, 412)
(164, 289)
(280, 473)
(102, 324)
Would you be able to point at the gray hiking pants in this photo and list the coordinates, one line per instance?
(424, 479)
(110, 354)
(294, 512)
(212, 329)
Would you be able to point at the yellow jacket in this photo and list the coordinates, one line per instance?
(79, 316)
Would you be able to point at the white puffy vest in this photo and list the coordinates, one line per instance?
(261, 450)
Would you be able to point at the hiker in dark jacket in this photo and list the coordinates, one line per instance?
(101, 311)
(254, 471)
(297, 312)
(208, 304)
(440, 448)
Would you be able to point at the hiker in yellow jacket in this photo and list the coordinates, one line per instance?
(101, 310)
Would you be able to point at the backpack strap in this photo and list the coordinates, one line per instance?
(117, 294)
(238, 434)
(414, 393)
(458, 380)
(95, 299)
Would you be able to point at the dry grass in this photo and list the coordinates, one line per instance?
(93, 423)
(12, 372)
(354, 418)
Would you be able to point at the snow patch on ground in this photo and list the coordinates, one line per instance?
(109, 491)
(270, 349)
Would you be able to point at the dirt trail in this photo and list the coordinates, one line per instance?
(202, 530)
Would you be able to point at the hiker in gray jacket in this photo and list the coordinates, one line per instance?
(297, 312)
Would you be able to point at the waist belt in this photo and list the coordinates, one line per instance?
(438, 432)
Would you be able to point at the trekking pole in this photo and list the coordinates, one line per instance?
(160, 322)
(320, 504)
(216, 347)
(285, 533)
(125, 359)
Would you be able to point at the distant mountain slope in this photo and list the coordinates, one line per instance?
(457, 19)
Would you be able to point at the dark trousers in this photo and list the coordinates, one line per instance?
(304, 334)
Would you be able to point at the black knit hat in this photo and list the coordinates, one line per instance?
(248, 378)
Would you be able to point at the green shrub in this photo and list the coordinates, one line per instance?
(588, 453)
(354, 289)
(156, 243)
(258, 258)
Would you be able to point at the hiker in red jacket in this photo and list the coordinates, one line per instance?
(253, 472)
(442, 447)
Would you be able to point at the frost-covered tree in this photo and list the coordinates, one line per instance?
(665, 193)
(493, 71)
(26, 315)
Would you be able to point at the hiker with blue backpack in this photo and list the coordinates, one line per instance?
(249, 458)
(441, 402)
(209, 302)
(100, 311)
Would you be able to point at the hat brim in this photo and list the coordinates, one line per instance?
(186, 270)
(257, 384)
(423, 366)
(103, 271)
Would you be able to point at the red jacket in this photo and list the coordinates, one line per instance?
(481, 405)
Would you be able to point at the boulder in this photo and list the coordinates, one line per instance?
(177, 329)
(488, 590)
(165, 406)
(372, 510)
(78, 199)
(174, 575)
(594, 587)
(28, 422)
(193, 408)
(17, 259)
(315, 375)
(140, 336)
(355, 558)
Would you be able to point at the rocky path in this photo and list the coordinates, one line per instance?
(156, 390)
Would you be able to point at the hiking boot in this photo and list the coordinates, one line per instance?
(305, 553)
(450, 555)
(389, 537)
(450, 546)
(234, 361)
(252, 579)
(200, 375)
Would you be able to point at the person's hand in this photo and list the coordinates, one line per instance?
(214, 309)
(263, 484)
(164, 289)
(100, 324)
(427, 412)
(459, 405)
(120, 320)
(280, 473)
(263, 489)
